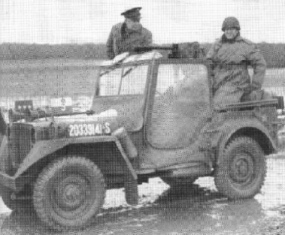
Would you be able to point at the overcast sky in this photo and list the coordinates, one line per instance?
(82, 21)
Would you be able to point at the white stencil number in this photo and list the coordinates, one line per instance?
(89, 129)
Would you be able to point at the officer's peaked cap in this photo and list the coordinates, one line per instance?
(133, 12)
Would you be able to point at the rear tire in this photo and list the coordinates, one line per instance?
(241, 169)
(68, 193)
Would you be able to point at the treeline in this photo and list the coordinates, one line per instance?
(274, 54)
(15, 51)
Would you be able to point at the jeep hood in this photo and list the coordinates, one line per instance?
(81, 125)
(118, 111)
(106, 115)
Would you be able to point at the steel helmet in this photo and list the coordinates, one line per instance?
(231, 22)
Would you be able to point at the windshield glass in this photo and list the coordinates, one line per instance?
(126, 80)
(183, 76)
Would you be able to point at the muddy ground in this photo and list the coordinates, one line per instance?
(162, 210)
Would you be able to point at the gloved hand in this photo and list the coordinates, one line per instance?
(248, 90)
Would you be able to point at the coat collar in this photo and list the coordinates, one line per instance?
(237, 39)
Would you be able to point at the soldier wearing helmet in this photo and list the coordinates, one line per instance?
(124, 37)
(231, 54)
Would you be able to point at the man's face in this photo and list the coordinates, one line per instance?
(133, 25)
(231, 33)
(134, 16)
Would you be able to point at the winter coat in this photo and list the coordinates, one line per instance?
(122, 40)
(231, 60)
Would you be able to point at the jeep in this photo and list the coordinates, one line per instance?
(151, 116)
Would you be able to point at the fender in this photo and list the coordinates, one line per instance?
(223, 133)
(44, 148)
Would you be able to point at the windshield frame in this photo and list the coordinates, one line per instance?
(121, 66)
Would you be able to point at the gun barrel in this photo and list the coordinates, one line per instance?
(153, 48)
(30, 115)
(149, 48)
(34, 114)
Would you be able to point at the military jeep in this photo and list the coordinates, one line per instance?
(151, 117)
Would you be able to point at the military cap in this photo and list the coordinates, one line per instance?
(132, 13)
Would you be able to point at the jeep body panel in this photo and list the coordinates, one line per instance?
(42, 149)
(7, 181)
(174, 117)
(217, 135)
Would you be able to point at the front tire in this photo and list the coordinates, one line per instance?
(68, 193)
(241, 169)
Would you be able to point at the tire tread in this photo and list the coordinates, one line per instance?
(220, 177)
(47, 174)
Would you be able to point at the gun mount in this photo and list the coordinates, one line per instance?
(174, 49)
(181, 50)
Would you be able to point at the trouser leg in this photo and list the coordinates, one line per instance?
(225, 95)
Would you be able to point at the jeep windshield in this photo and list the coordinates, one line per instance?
(123, 80)
(126, 76)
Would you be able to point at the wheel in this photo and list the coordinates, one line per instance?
(179, 182)
(241, 169)
(68, 193)
(10, 200)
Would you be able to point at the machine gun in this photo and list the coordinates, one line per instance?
(174, 49)
(29, 115)
(182, 50)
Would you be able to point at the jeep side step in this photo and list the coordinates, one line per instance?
(180, 170)
(187, 169)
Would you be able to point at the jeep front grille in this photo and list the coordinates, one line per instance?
(20, 142)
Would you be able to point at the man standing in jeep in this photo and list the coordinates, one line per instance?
(124, 37)
(231, 54)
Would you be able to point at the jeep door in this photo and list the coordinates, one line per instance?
(181, 104)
